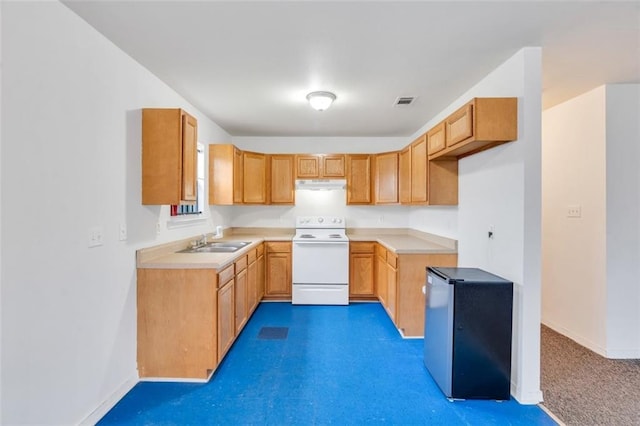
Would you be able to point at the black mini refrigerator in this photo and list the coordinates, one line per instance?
(467, 333)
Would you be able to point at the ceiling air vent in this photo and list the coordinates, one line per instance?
(405, 100)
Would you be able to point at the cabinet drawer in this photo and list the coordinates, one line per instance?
(381, 251)
(392, 259)
(362, 247)
(278, 246)
(225, 275)
(241, 264)
(251, 256)
(459, 125)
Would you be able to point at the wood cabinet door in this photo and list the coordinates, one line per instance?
(419, 194)
(358, 179)
(382, 279)
(226, 318)
(333, 166)
(392, 274)
(189, 158)
(221, 174)
(168, 175)
(307, 166)
(254, 176)
(404, 176)
(436, 139)
(278, 274)
(282, 179)
(261, 278)
(238, 176)
(361, 268)
(252, 286)
(240, 301)
(386, 178)
(459, 125)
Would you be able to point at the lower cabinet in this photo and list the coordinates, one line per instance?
(392, 286)
(226, 311)
(399, 281)
(241, 294)
(361, 270)
(278, 270)
(177, 323)
(189, 318)
(260, 285)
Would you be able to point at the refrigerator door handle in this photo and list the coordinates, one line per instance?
(439, 274)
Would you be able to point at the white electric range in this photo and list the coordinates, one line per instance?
(320, 261)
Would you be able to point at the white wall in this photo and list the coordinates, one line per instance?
(70, 160)
(1, 211)
(623, 220)
(574, 249)
(501, 187)
(591, 264)
(319, 145)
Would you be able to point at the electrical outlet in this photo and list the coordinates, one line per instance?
(380, 219)
(574, 210)
(158, 228)
(95, 236)
(122, 235)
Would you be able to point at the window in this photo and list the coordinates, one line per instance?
(194, 209)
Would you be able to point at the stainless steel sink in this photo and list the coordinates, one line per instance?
(217, 247)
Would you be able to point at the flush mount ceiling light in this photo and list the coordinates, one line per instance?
(320, 100)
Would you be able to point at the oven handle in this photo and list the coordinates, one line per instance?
(313, 243)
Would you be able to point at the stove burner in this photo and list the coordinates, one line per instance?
(307, 236)
(335, 236)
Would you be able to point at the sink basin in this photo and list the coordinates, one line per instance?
(218, 247)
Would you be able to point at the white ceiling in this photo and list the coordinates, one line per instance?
(249, 65)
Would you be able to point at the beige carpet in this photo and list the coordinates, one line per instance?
(583, 388)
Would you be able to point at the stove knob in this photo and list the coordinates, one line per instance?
(339, 220)
(320, 220)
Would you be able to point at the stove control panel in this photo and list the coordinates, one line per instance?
(320, 222)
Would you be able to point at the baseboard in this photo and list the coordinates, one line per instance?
(109, 403)
(550, 414)
(527, 398)
(592, 346)
(623, 353)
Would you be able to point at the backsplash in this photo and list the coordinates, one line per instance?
(313, 203)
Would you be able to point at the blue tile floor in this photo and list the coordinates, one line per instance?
(344, 365)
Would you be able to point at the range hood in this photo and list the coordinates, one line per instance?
(321, 184)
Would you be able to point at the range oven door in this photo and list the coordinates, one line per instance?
(320, 273)
(320, 262)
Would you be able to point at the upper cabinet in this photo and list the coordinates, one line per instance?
(169, 157)
(386, 178)
(436, 139)
(404, 175)
(236, 177)
(282, 180)
(358, 179)
(254, 178)
(320, 166)
(419, 168)
(225, 175)
(479, 125)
